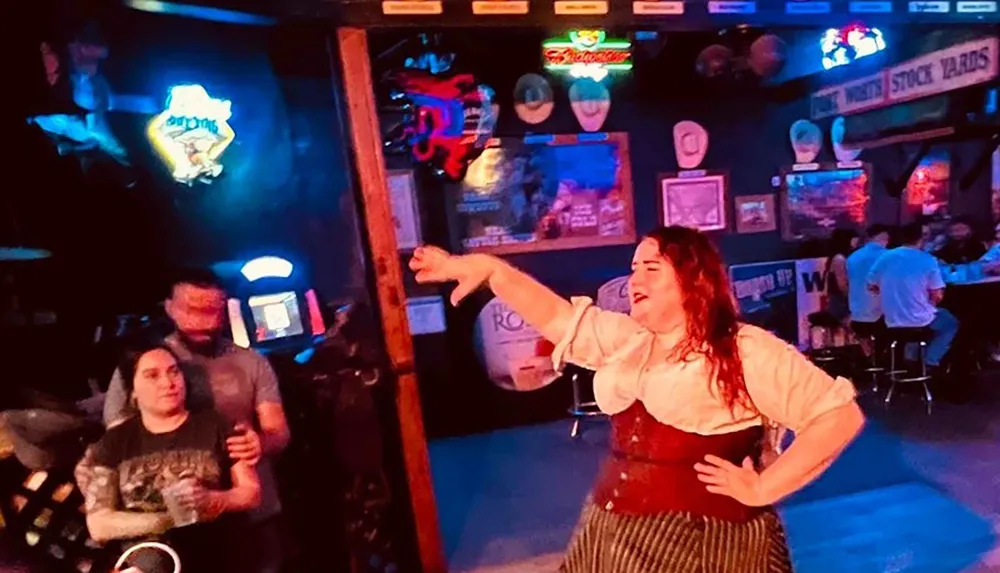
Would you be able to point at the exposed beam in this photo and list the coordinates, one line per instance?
(366, 142)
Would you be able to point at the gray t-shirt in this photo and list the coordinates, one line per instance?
(233, 382)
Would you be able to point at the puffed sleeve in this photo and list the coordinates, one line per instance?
(593, 335)
(784, 385)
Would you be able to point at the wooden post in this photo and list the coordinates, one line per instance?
(366, 139)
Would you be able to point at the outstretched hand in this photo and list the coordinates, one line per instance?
(435, 265)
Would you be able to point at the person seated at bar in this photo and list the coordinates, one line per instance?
(843, 242)
(961, 246)
(909, 283)
(865, 305)
(165, 474)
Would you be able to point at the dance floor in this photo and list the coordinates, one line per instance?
(913, 493)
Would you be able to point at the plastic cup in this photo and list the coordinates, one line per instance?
(179, 512)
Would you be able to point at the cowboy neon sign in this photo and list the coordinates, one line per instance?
(192, 133)
(587, 54)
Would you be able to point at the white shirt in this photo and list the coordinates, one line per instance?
(865, 305)
(905, 276)
(633, 363)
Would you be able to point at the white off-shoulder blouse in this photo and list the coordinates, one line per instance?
(631, 365)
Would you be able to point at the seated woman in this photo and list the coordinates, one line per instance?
(167, 448)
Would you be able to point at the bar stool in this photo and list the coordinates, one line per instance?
(580, 409)
(872, 332)
(898, 339)
(824, 355)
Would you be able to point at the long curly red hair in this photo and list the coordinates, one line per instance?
(711, 310)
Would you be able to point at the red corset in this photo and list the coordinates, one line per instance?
(651, 468)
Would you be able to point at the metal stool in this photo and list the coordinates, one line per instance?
(825, 356)
(898, 339)
(872, 332)
(580, 409)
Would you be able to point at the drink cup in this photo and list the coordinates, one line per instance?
(173, 496)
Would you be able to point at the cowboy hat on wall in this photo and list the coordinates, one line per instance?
(690, 144)
(590, 102)
(806, 139)
(533, 99)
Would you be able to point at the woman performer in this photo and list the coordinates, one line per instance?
(689, 390)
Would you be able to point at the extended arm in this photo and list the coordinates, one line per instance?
(543, 309)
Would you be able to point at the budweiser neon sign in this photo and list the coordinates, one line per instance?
(587, 54)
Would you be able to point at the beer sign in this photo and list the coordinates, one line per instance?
(587, 54)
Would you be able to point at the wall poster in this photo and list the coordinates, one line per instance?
(755, 213)
(515, 355)
(779, 296)
(766, 295)
(927, 189)
(819, 198)
(544, 193)
(405, 210)
(695, 199)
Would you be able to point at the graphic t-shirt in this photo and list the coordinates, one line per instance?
(130, 466)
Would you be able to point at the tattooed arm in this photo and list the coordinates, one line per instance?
(99, 485)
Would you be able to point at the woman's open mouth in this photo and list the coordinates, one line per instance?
(637, 298)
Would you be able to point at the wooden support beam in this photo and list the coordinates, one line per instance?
(366, 142)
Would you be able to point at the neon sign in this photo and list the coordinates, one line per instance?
(192, 133)
(843, 46)
(587, 54)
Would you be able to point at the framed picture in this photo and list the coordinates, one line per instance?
(820, 197)
(545, 193)
(755, 213)
(405, 209)
(695, 199)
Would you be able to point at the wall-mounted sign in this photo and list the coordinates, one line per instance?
(726, 7)
(755, 213)
(841, 46)
(581, 7)
(956, 67)
(929, 7)
(658, 8)
(192, 133)
(587, 54)
(870, 7)
(976, 7)
(412, 7)
(515, 355)
(807, 7)
(499, 7)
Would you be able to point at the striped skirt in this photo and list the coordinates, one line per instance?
(606, 542)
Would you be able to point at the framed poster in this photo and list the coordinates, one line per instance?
(405, 210)
(820, 197)
(695, 199)
(755, 213)
(927, 190)
(545, 193)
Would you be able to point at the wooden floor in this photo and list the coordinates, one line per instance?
(914, 493)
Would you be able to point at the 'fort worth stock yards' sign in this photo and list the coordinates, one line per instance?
(955, 67)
